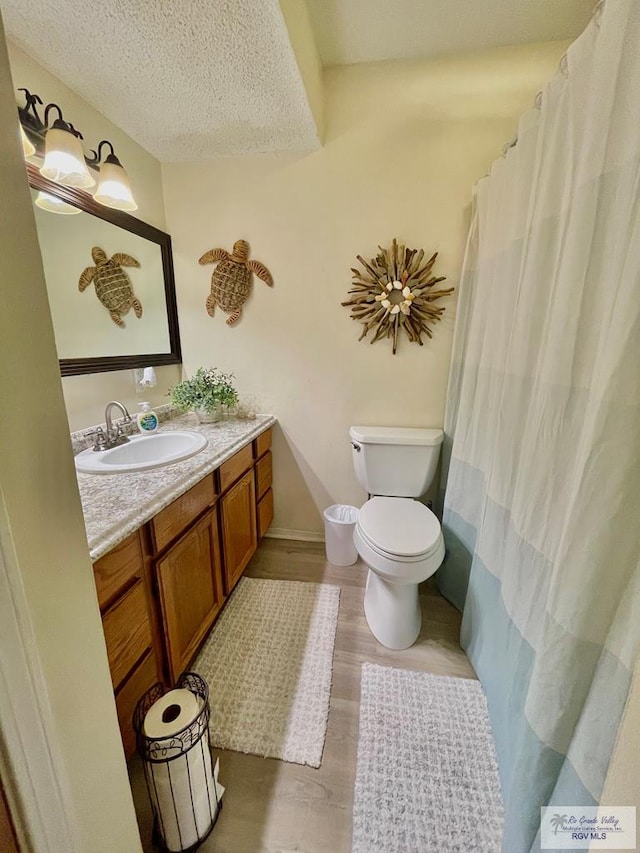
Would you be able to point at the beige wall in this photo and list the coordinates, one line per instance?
(404, 144)
(86, 396)
(42, 535)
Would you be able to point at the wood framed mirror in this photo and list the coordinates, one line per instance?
(88, 335)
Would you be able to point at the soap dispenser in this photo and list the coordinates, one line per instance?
(147, 419)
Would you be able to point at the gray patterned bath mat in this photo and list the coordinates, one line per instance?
(269, 663)
(427, 777)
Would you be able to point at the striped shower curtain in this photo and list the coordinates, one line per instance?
(542, 504)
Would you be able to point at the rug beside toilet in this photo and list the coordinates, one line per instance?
(269, 663)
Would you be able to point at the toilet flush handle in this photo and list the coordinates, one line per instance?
(356, 447)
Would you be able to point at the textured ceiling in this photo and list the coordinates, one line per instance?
(187, 80)
(190, 80)
(350, 31)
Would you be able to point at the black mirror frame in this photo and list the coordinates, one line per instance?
(79, 198)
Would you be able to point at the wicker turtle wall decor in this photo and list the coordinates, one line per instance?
(231, 279)
(395, 292)
(113, 286)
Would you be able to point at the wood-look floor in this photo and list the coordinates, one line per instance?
(278, 807)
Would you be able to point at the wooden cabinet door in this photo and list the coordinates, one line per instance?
(239, 534)
(190, 588)
(143, 677)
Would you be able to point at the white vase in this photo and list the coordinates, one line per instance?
(205, 417)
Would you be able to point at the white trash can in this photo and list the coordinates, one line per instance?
(339, 524)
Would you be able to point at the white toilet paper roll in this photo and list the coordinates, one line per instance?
(175, 710)
(184, 796)
(148, 378)
(181, 788)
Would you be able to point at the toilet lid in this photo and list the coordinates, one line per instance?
(399, 526)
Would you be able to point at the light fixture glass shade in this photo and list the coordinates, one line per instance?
(64, 161)
(114, 189)
(55, 205)
(28, 149)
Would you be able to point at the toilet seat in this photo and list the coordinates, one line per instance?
(385, 527)
(399, 529)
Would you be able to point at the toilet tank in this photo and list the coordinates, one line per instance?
(395, 461)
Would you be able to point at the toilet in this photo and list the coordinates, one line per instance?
(398, 537)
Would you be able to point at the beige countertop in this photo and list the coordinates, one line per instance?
(115, 505)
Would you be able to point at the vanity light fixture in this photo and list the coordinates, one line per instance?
(53, 204)
(63, 158)
(64, 161)
(114, 189)
(28, 148)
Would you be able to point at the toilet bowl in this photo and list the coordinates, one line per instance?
(401, 542)
(398, 537)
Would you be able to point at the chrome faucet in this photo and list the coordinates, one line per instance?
(115, 435)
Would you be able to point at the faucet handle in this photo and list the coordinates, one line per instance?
(101, 438)
(120, 437)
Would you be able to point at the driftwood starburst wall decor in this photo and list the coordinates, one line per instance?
(395, 292)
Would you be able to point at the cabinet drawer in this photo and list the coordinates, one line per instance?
(114, 572)
(127, 632)
(140, 680)
(235, 467)
(170, 522)
(263, 474)
(265, 513)
(262, 443)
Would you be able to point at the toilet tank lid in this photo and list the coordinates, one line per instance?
(395, 435)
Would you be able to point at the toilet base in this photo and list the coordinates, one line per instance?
(392, 611)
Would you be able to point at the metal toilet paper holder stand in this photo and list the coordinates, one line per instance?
(173, 748)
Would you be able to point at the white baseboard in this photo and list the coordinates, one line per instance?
(298, 535)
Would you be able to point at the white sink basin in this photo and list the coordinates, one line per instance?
(142, 452)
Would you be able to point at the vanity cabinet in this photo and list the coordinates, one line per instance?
(123, 583)
(184, 544)
(189, 581)
(161, 589)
